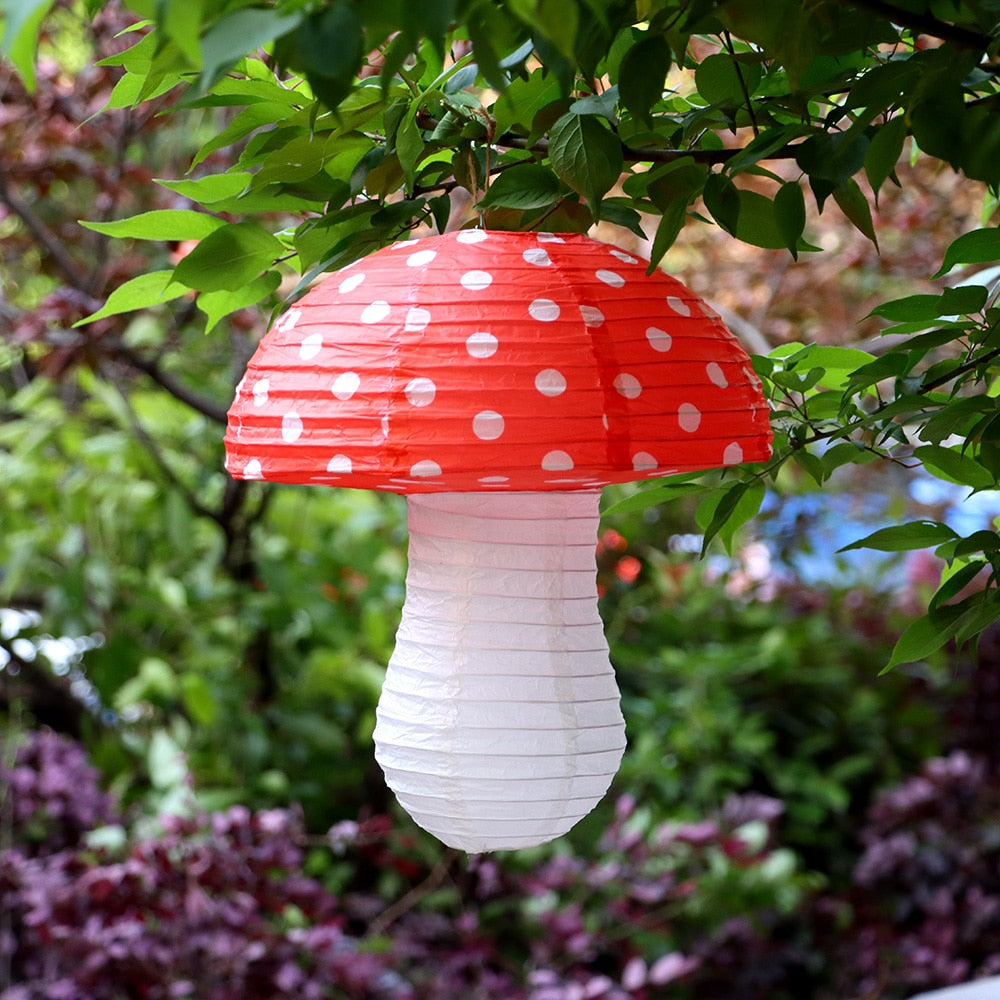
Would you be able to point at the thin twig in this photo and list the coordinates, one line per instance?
(153, 451)
(743, 83)
(76, 276)
(407, 902)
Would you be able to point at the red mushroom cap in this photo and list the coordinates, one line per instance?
(487, 360)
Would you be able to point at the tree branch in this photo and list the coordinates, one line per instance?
(636, 155)
(206, 407)
(927, 24)
(74, 274)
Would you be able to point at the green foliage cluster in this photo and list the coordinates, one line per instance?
(345, 125)
(326, 130)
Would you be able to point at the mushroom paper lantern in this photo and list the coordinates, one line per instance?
(498, 379)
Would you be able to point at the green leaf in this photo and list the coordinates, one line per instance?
(328, 48)
(833, 157)
(667, 230)
(22, 20)
(904, 537)
(182, 25)
(163, 224)
(523, 99)
(758, 222)
(166, 762)
(979, 541)
(884, 151)
(952, 584)
(854, 205)
(790, 215)
(721, 79)
(954, 467)
(763, 146)
(959, 301)
(229, 257)
(977, 247)
(654, 495)
(722, 199)
(211, 188)
(142, 292)
(557, 20)
(587, 156)
(216, 305)
(925, 636)
(642, 74)
(197, 698)
(604, 103)
(724, 511)
(409, 146)
(524, 187)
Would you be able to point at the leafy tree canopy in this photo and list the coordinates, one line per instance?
(344, 125)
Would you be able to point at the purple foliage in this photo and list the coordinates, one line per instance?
(927, 887)
(220, 908)
(51, 796)
(216, 910)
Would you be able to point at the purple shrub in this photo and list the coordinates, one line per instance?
(51, 797)
(215, 910)
(221, 908)
(927, 886)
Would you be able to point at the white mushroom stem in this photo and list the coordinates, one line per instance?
(499, 724)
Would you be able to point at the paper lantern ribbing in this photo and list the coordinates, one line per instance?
(500, 380)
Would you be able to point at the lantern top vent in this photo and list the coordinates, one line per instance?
(489, 361)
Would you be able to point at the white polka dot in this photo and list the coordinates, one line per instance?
(678, 305)
(624, 257)
(471, 236)
(550, 382)
(401, 245)
(611, 278)
(288, 320)
(544, 310)
(252, 470)
(350, 283)
(291, 426)
(494, 480)
(425, 468)
(557, 461)
(538, 256)
(487, 425)
(604, 421)
(376, 312)
(708, 310)
(260, 390)
(716, 374)
(659, 339)
(592, 316)
(345, 385)
(689, 417)
(733, 454)
(751, 376)
(416, 320)
(476, 281)
(384, 424)
(628, 385)
(311, 346)
(339, 464)
(642, 461)
(420, 258)
(550, 238)
(420, 391)
(482, 345)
